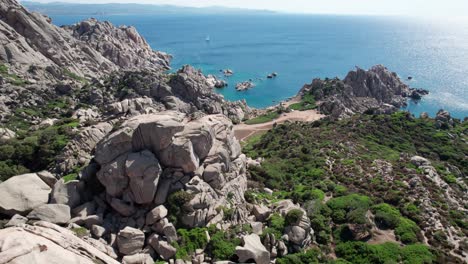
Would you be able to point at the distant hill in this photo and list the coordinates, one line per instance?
(59, 8)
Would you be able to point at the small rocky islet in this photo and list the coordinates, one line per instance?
(107, 158)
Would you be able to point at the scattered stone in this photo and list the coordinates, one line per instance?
(420, 161)
(257, 227)
(53, 213)
(156, 214)
(261, 212)
(16, 220)
(138, 259)
(242, 86)
(163, 248)
(228, 72)
(98, 231)
(170, 233)
(130, 240)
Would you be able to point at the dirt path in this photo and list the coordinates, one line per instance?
(244, 131)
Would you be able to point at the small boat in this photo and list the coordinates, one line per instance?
(207, 38)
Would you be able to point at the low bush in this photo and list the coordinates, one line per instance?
(293, 217)
(222, 245)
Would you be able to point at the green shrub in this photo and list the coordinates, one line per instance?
(3, 69)
(276, 224)
(73, 75)
(70, 177)
(80, 231)
(190, 240)
(293, 217)
(386, 216)
(417, 254)
(407, 231)
(360, 252)
(176, 202)
(308, 257)
(351, 208)
(249, 196)
(222, 246)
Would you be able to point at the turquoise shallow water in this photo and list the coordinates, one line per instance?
(300, 48)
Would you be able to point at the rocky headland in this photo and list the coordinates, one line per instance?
(105, 157)
(376, 90)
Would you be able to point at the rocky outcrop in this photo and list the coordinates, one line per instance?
(376, 90)
(23, 193)
(45, 242)
(6, 134)
(253, 249)
(165, 152)
(121, 45)
(244, 86)
(88, 49)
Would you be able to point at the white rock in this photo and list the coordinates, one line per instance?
(20, 194)
(53, 213)
(253, 249)
(130, 240)
(138, 259)
(47, 243)
(156, 214)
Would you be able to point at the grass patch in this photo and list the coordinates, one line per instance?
(74, 76)
(80, 231)
(307, 103)
(263, 118)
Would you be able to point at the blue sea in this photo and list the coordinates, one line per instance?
(303, 47)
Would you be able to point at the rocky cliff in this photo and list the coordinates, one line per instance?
(36, 49)
(376, 90)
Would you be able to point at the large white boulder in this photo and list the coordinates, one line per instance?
(253, 249)
(20, 194)
(143, 170)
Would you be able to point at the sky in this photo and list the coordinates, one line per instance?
(424, 8)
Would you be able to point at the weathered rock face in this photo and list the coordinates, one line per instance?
(123, 45)
(150, 156)
(377, 90)
(53, 213)
(90, 48)
(22, 193)
(48, 243)
(253, 249)
(130, 241)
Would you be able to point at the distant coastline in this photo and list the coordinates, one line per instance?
(61, 8)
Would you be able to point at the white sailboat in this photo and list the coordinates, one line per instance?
(207, 38)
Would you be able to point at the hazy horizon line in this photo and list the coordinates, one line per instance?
(272, 11)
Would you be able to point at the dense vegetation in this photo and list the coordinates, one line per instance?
(36, 146)
(336, 170)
